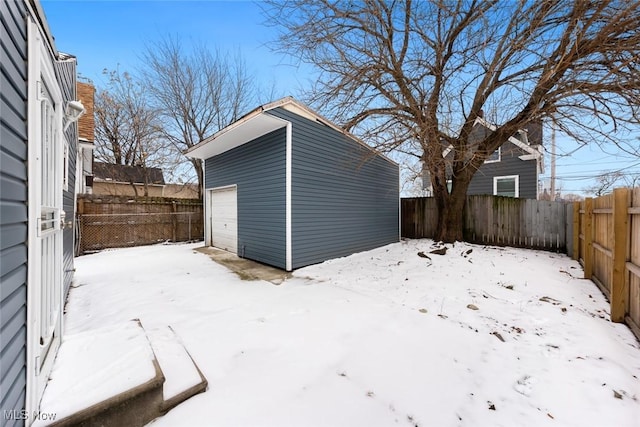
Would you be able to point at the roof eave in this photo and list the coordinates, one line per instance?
(252, 126)
(511, 139)
(204, 149)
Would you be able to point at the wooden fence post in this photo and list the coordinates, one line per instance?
(588, 238)
(576, 231)
(619, 287)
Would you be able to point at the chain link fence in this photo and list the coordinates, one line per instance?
(102, 231)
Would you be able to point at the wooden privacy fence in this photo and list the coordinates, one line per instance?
(606, 233)
(119, 221)
(495, 220)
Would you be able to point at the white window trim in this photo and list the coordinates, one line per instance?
(516, 178)
(288, 195)
(499, 150)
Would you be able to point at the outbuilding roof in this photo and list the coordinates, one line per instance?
(259, 122)
(127, 173)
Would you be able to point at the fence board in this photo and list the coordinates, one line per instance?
(633, 302)
(494, 220)
(603, 242)
(117, 221)
(609, 249)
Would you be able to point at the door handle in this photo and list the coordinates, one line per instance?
(65, 224)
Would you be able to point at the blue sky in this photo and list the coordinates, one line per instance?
(112, 34)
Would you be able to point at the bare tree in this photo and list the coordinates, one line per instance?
(427, 69)
(606, 182)
(197, 91)
(127, 129)
(571, 197)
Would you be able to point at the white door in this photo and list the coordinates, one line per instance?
(223, 217)
(46, 168)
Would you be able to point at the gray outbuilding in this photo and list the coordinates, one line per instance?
(288, 188)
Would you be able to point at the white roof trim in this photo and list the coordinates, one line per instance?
(233, 135)
(247, 129)
(534, 153)
(529, 149)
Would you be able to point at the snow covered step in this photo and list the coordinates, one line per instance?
(106, 377)
(120, 375)
(183, 378)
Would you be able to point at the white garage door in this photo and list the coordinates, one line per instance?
(224, 218)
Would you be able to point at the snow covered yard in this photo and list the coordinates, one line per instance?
(476, 337)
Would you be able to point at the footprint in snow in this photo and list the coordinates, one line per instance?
(524, 385)
(551, 350)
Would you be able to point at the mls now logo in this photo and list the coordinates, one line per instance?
(17, 415)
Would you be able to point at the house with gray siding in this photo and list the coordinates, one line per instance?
(513, 170)
(288, 188)
(38, 140)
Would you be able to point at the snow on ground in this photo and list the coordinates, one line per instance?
(480, 336)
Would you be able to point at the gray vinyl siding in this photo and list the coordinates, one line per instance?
(13, 208)
(510, 164)
(258, 168)
(66, 75)
(345, 199)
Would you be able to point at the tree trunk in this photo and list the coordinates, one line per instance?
(451, 213)
(197, 166)
(135, 189)
(146, 180)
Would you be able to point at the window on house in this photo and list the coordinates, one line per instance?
(506, 186)
(494, 157)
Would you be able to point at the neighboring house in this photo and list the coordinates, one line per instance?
(286, 187)
(38, 153)
(513, 170)
(109, 179)
(125, 180)
(113, 179)
(86, 131)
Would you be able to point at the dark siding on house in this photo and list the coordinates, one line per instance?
(258, 168)
(344, 198)
(510, 164)
(13, 208)
(66, 75)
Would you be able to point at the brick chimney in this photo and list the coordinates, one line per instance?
(86, 123)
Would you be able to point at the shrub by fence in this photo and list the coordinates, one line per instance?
(118, 221)
(495, 220)
(607, 238)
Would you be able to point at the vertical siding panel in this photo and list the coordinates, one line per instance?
(66, 75)
(510, 164)
(13, 212)
(345, 199)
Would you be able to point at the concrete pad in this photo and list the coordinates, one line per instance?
(246, 269)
